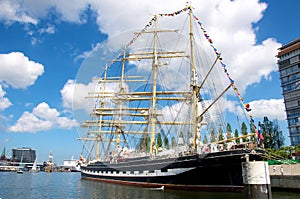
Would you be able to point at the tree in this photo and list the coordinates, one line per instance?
(158, 141)
(166, 143)
(253, 130)
(144, 143)
(273, 137)
(267, 128)
(189, 137)
(279, 138)
(244, 132)
(236, 134)
(205, 139)
(221, 135)
(213, 136)
(228, 131)
(173, 142)
(284, 152)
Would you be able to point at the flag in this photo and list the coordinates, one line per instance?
(259, 135)
(247, 107)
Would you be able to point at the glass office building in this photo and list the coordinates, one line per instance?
(289, 68)
(27, 155)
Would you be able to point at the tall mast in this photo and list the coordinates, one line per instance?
(154, 66)
(119, 127)
(193, 79)
(98, 138)
(121, 116)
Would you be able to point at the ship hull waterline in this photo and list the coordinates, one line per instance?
(220, 171)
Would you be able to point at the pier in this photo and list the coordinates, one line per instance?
(285, 177)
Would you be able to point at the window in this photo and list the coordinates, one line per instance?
(295, 140)
(294, 59)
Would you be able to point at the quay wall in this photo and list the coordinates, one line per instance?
(285, 177)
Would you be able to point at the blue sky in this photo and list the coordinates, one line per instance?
(44, 44)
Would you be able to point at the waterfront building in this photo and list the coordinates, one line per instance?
(289, 69)
(24, 154)
(3, 155)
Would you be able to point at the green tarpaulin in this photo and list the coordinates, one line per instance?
(288, 161)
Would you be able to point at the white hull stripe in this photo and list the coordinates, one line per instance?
(156, 173)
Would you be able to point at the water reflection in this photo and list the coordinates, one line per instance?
(94, 189)
(70, 186)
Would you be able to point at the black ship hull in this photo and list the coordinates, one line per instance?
(219, 171)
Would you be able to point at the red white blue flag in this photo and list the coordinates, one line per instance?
(259, 135)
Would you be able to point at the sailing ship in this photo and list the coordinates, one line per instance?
(20, 169)
(155, 106)
(34, 168)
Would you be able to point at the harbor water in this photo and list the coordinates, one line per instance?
(69, 185)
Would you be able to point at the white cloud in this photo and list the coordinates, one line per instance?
(253, 64)
(18, 71)
(28, 122)
(73, 95)
(48, 29)
(272, 108)
(229, 23)
(43, 111)
(72, 11)
(4, 101)
(41, 118)
(67, 94)
(114, 17)
(66, 123)
(11, 11)
(230, 26)
(30, 11)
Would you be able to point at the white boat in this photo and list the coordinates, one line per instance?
(71, 165)
(20, 169)
(34, 168)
